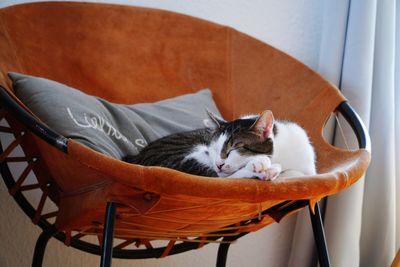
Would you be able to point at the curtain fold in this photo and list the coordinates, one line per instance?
(362, 222)
(378, 244)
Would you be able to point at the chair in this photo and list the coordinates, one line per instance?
(114, 52)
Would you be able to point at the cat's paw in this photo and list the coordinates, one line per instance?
(272, 172)
(263, 169)
(259, 164)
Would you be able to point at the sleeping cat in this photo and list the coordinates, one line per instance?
(249, 147)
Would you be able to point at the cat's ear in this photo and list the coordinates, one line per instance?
(264, 124)
(213, 122)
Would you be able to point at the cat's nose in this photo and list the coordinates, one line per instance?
(220, 165)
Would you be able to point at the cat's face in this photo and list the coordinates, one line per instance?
(236, 142)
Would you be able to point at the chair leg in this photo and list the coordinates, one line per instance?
(319, 235)
(40, 246)
(108, 235)
(224, 247)
(222, 254)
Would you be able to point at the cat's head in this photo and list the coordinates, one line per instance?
(236, 142)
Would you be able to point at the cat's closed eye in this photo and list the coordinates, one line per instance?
(235, 146)
(238, 145)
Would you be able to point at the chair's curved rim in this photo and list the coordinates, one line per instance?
(61, 143)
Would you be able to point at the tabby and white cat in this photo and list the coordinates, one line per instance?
(254, 146)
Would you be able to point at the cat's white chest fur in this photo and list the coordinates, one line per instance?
(292, 150)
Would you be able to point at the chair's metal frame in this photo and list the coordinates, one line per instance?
(29, 123)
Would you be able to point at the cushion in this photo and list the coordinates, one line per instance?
(113, 129)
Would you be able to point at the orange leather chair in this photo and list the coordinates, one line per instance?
(103, 48)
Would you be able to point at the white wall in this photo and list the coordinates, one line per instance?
(292, 26)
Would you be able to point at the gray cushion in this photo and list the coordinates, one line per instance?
(113, 129)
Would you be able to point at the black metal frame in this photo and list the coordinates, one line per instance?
(108, 235)
(107, 251)
(356, 123)
(31, 123)
(319, 236)
(41, 244)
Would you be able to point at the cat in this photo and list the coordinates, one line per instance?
(242, 148)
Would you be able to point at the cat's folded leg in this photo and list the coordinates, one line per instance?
(259, 167)
(266, 175)
(287, 174)
(244, 173)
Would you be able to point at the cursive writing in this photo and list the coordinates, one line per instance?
(99, 123)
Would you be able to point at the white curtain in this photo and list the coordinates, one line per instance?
(363, 223)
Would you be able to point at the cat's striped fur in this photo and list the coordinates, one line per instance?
(170, 151)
